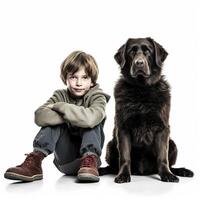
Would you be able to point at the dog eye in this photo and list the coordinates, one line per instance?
(131, 51)
(146, 49)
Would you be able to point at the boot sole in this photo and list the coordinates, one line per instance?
(87, 178)
(14, 176)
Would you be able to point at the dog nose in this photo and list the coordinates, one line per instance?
(139, 62)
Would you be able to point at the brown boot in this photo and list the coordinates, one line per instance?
(29, 170)
(88, 171)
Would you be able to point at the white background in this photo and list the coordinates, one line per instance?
(36, 36)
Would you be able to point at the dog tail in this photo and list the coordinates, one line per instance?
(182, 172)
(105, 171)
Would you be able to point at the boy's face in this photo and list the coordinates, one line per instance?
(79, 82)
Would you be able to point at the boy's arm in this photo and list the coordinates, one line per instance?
(45, 116)
(80, 116)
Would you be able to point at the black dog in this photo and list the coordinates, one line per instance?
(141, 141)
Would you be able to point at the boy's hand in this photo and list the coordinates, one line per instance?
(50, 106)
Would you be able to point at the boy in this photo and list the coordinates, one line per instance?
(72, 125)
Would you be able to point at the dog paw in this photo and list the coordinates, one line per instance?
(169, 178)
(123, 178)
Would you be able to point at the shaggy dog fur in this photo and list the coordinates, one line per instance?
(141, 141)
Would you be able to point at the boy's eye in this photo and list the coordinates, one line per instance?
(85, 77)
(72, 77)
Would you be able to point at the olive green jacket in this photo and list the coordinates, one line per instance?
(85, 112)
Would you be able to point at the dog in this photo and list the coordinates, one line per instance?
(141, 143)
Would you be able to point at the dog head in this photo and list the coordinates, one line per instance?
(141, 59)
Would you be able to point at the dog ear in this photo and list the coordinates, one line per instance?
(160, 52)
(120, 56)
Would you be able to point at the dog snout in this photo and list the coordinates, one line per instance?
(140, 62)
(140, 66)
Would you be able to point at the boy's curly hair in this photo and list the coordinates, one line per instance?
(77, 60)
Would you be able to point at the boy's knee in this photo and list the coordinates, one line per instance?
(52, 128)
(98, 127)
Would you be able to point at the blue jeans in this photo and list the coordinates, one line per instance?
(69, 144)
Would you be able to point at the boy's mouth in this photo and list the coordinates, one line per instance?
(78, 90)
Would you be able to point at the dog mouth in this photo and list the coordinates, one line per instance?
(139, 73)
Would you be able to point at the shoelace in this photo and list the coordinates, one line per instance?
(88, 161)
(28, 161)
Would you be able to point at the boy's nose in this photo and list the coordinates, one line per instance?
(79, 82)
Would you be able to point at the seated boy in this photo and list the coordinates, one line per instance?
(72, 125)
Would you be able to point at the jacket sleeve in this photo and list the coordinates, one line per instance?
(45, 116)
(80, 116)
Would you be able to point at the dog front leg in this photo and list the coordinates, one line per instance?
(124, 148)
(162, 146)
